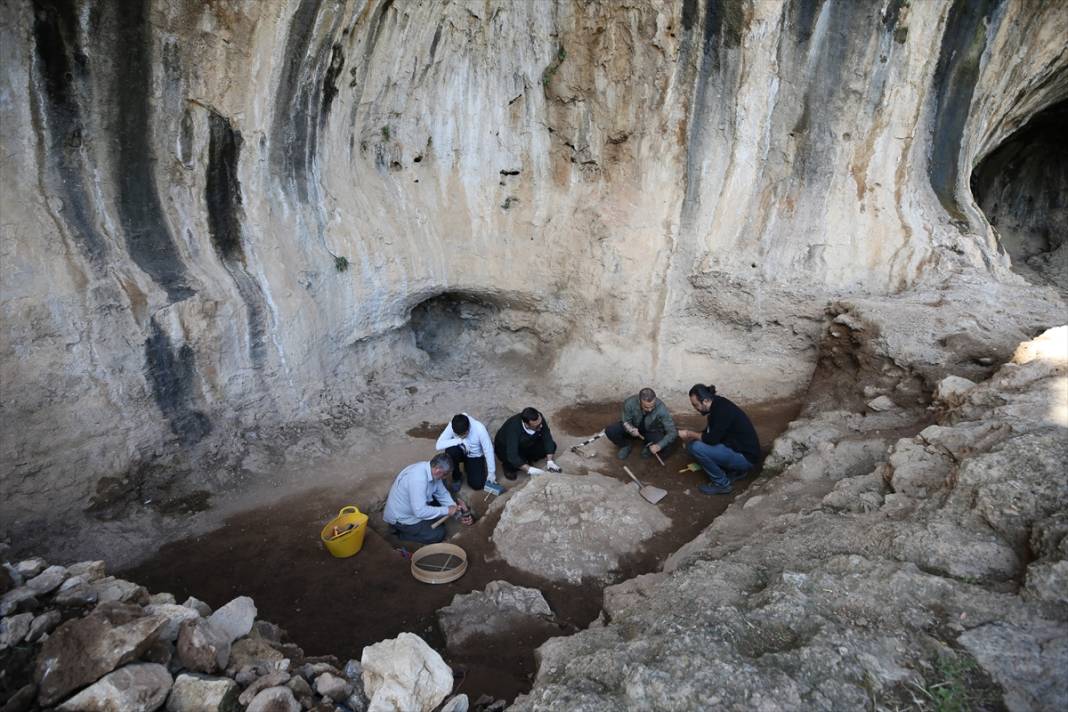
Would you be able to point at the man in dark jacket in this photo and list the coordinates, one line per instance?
(644, 416)
(523, 440)
(728, 448)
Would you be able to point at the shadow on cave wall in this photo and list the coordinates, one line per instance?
(1022, 187)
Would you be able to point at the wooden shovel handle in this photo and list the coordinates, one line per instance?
(636, 480)
(441, 521)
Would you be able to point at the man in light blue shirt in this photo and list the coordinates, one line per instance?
(418, 498)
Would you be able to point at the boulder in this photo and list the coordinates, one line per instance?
(404, 674)
(22, 699)
(332, 686)
(110, 588)
(28, 568)
(42, 624)
(301, 690)
(18, 600)
(235, 619)
(202, 647)
(273, 679)
(498, 610)
(76, 591)
(254, 652)
(14, 628)
(1020, 658)
(882, 404)
(142, 687)
(83, 650)
(197, 605)
(570, 528)
(952, 390)
(48, 580)
(200, 693)
(274, 699)
(157, 599)
(174, 614)
(91, 570)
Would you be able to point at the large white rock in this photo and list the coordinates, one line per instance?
(235, 619)
(200, 693)
(569, 527)
(142, 687)
(274, 699)
(175, 615)
(404, 674)
(499, 609)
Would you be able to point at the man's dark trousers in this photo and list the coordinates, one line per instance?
(421, 533)
(620, 437)
(529, 453)
(475, 467)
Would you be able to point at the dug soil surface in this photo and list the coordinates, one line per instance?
(337, 606)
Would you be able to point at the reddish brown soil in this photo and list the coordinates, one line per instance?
(337, 606)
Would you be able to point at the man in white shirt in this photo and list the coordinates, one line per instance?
(418, 498)
(467, 442)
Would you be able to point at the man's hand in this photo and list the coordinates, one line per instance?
(631, 429)
(654, 448)
(552, 466)
(461, 504)
(689, 435)
(534, 471)
(453, 509)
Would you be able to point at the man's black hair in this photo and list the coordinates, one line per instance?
(703, 392)
(441, 461)
(647, 395)
(460, 424)
(530, 414)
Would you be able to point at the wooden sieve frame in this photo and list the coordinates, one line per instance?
(439, 576)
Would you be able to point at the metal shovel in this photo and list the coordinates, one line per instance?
(651, 494)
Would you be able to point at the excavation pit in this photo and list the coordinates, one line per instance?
(338, 606)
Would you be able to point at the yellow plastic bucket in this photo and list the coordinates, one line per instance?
(349, 541)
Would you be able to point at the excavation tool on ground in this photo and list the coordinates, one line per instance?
(651, 494)
(439, 563)
(587, 441)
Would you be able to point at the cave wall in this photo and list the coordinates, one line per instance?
(219, 215)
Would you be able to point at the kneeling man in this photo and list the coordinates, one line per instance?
(467, 443)
(644, 416)
(728, 448)
(418, 498)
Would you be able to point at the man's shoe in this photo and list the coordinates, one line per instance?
(709, 488)
(646, 453)
(508, 474)
(624, 452)
(737, 475)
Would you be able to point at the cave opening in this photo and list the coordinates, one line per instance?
(1022, 188)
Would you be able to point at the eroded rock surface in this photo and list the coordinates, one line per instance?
(499, 610)
(831, 592)
(404, 673)
(571, 527)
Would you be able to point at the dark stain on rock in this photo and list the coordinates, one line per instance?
(63, 69)
(337, 61)
(171, 373)
(222, 191)
(148, 237)
(185, 139)
(955, 75)
(290, 127)
(805, 13)
(222, 194)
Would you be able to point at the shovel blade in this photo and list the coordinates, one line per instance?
(651, 494)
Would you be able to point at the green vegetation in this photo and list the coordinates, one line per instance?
(385, 132)
(341, 264)
(554, 65)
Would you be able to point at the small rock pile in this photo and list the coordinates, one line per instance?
(73, 638)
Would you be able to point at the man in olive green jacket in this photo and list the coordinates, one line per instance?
(644, 416)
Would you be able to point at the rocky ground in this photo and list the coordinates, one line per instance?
(875, 571)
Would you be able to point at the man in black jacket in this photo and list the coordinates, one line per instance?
(522, 440)
(728, 448)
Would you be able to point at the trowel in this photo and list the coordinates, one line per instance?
(650, 494)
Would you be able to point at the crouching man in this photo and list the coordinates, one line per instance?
(646, 417)
(728, 448)
(523, 440)
(418, 498)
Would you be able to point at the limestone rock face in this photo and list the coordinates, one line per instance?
(569, 527)
(244, 213)
(405, 674)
